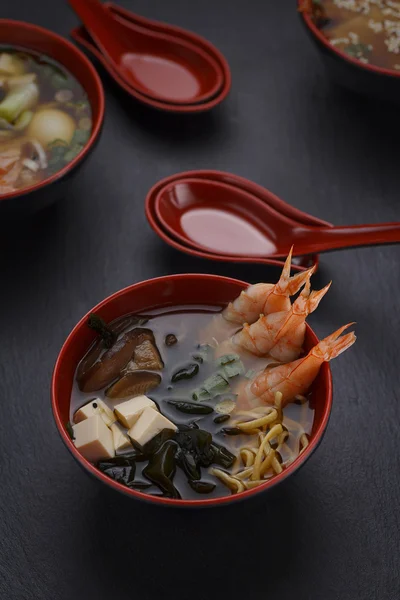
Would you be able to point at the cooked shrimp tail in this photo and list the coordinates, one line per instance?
(333, 345)
(296, 377)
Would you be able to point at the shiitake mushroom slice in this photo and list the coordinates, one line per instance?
(132, 384)
(108, 366)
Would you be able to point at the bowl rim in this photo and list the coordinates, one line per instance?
(71, 48)
(349, 59)
(161, 501)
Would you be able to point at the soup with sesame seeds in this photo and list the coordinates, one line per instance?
(367, 30)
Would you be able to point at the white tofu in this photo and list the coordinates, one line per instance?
(128, 412)
(95, 407)
(120, 439)
(94, 439)
(148, 425)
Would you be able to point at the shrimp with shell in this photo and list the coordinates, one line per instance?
(280, 333)
(266, 298)
(296, 377)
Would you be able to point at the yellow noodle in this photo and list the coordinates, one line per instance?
(233, 484)
(244, 474)
(267, 462)
(251, 425)
(304, 442)
(252, 484)
(276, 465)
(247, 456)
(276, 430)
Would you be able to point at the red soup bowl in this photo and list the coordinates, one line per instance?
(31, 37)
(349, 72)
(162, 292)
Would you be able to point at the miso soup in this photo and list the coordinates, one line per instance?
(45, 118)
(368, 30)
(161, 398)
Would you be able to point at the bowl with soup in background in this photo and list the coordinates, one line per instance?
(359, 43)
(51, 115)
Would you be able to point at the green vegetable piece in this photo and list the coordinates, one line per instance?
(202, 487)
(161, 469)
(227, 359)
(186, 373)
(18, 100)
(191, 408)
(60, 81)
(70, 430)
(251, 373)
(108, 336)
(80, 137)
(23, 120)
(216, 384)
(200, 394)
(233, 369)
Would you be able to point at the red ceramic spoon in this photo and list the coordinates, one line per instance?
(224, 219)
(159, 65)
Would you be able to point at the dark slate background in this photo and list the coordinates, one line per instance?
(331, 532)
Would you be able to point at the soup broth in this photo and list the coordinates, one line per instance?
(45, 118)
(187, 392)
(368, 30)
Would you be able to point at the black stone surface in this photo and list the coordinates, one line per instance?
(331, 532)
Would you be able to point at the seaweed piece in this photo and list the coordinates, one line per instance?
(222, 456)
(231, 431)
(185, 373)
(70, 430)
(162, 467)
(198, 443)
(191, 408)
(222, 418)
(105, 332)
(153, 445)
(121, 470)
(202, 487)
(187, 462)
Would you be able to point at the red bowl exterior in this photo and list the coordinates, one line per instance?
(246, 185)
(162, 292)
(349, 72)
(81, 36)
(41, 40)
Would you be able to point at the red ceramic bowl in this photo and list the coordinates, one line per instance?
(349, 72)
(32, 37)
(161, 292)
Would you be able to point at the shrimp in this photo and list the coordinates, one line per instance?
(291, 336)
(296, 377)
(261, 337)
(266, 298)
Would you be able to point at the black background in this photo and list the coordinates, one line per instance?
(331, 532)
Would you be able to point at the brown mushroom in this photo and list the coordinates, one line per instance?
(99, 371)
(133, 384)
(146, 356)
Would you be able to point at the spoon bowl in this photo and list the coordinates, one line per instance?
(298, 263)
(158, 64)
(225, 219)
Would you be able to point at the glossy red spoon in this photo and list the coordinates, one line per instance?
(159, 65)
(225, 219)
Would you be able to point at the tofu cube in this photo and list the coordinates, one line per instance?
(148, 425)
(95, 407)
(128, 412)
(121, 440)
(94, 439)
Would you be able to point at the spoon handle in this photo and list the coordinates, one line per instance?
(316, 239)
(102, 27)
